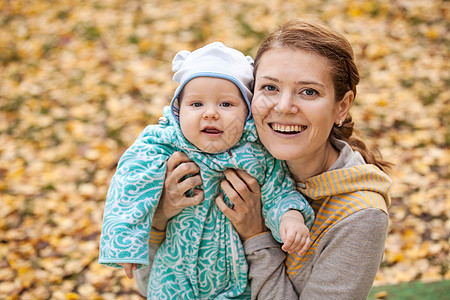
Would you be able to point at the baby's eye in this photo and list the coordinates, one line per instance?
(225, 104)
(269, 88)
(196, 104)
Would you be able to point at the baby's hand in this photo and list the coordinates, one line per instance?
(294, 233)
(128, 267)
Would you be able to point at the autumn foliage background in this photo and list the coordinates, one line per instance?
(79, 80)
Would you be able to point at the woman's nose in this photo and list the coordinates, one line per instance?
(286, 104)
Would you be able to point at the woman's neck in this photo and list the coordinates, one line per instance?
(306, 167)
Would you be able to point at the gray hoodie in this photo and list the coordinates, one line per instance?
(347, 238)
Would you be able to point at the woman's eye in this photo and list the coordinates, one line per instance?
(269, 88)
(309, 92)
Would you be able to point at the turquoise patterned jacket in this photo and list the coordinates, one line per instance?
(202, 256)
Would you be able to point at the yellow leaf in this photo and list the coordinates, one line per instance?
(72, 296)
(354, 11)
(432, 274)
(381, 295)
(26, 276)
(432, 33)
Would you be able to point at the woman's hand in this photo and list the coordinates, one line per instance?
(173, 198)
(244, 192)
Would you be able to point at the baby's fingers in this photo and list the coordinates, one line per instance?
(127, 268)
(289, 242)
(304, 245)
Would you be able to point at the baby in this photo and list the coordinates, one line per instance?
(209, 119)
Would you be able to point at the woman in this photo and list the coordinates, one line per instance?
(305, 83)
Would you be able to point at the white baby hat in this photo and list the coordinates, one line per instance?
(213, 60)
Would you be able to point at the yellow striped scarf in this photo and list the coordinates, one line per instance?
(336, 194)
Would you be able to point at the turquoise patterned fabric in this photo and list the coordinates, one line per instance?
(202, 256)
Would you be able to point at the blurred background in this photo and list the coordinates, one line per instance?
(79, 80)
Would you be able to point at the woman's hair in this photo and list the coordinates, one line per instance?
(311, 36)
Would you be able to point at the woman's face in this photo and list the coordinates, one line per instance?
(293, 104)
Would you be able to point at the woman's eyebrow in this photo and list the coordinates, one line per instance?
(270, 78)
(300, 82)
(310, 83)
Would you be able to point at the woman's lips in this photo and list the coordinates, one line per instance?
(287, 129)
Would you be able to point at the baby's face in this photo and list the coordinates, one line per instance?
(212, 113)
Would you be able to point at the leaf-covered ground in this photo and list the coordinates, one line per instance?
(79, 80)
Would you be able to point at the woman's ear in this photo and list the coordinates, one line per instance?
(343, 106)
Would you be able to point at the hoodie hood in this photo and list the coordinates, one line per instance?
(362, 178)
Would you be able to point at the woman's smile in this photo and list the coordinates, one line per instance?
(287, 129)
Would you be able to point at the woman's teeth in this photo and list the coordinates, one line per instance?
(288, 128)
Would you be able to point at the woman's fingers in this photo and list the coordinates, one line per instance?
(250, 182)
(176, 159)
(195, 199)
(232, 194)
(237, 184)
(227, 211)
(182, 175)
(188, 183)
(242, 187)
(178, 166)
(246, 215)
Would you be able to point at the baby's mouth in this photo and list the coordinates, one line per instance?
(211, 130)
(287, 129)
